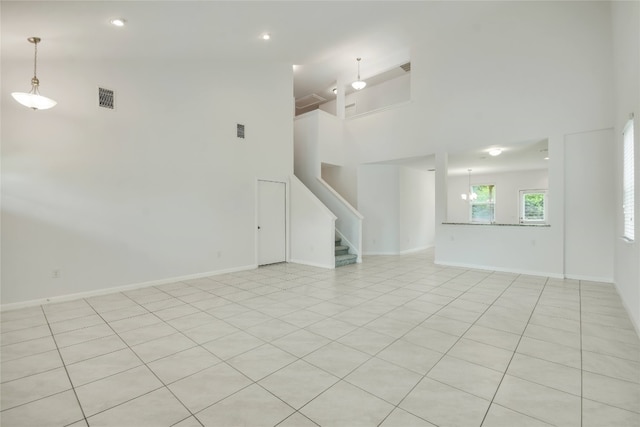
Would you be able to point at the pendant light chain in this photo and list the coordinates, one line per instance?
(35, 59)
(33, 99)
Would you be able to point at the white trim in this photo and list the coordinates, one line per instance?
(287, 229)
(315, 199)
(500, 269)
(313, 264)
(589, 278)
(380, 253)
(378, 110)
(116, 289)
(627, 307)
(342, 200)
(410, 251)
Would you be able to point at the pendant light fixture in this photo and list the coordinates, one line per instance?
(470, 196)
(33, 99)
(358, 84)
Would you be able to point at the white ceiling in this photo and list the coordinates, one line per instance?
(519, 156)
(321, 38)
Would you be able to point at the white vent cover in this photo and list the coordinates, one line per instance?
(106, 98)
(406, 67)
(240, 130)
(309, 100)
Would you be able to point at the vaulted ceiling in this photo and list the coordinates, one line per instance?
(322, 39)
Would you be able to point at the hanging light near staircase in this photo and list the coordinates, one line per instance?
(33, 99)
(358, 84)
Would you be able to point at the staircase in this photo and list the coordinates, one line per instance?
(343, 257)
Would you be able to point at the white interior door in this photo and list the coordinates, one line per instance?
(272, 233)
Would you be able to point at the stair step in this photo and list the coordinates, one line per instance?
(346, 259)
(342, 250)
(338, 240)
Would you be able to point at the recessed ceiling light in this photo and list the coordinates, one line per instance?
(546, 158)
(266, 36)
(118, 22)
(495, 152)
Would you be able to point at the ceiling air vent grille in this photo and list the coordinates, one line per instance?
(105, 98)
(406, 67)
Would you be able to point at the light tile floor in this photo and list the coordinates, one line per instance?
(394, 341)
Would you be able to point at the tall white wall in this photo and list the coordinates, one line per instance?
(417, 209)
(398, 208)
(626, 61)
(589, 205)
(312, 228)
(159, 188)
(486, 73)
(508, 186)
(379, 203)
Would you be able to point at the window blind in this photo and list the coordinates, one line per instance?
(628, 184)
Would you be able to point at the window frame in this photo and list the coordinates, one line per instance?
(521, 209)
(628, 181)
(491, 202)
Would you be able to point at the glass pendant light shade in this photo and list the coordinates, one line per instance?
(358, 84)
(33, 99)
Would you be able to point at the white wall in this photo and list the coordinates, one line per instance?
(472, 86)
(626, 60)
(313, 132)
(417, 209)
(378, 201)
(398, 208)
(390, 92)
(159, 188)
(513, 248)
(335, 177)
(589, 205)
(312, 228)
(485, 73)
(508, 186)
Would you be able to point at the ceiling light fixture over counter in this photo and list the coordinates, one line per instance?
(358, 84)
(33, 99)
(495, 152)
(118, 22)
(470, 196)
(266, 36)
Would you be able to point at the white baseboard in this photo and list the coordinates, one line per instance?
(105, 291)
(312, 264)
(380, 253)
(413, 250)
(589, 278)
(500, 269)
(636, 325)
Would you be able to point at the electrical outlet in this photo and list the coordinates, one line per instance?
(55, 274)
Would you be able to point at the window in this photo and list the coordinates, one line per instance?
(533, 206)
(483, 208)
(628, 187)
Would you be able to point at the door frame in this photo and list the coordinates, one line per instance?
(256, 243)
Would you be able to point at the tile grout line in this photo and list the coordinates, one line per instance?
(515, 350)
(64, 365)
(145, 363)
(581, 355)
(458, 340)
